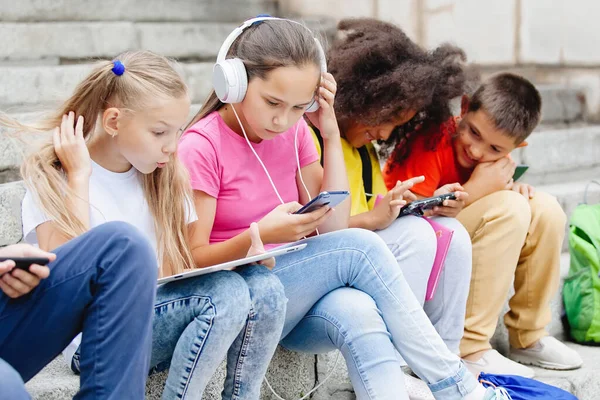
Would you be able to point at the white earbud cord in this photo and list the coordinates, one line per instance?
(282, 202)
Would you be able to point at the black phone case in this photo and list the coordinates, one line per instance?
(418, 207)
(25, 262)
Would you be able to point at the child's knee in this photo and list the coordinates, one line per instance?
(547, 212)
(513, 209)
(266, 291)
(351, 311)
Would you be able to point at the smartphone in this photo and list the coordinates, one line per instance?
(418, 207)
(330, 199)
(25, 262)
(519, 171)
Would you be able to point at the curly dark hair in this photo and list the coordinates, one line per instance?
(381, 72)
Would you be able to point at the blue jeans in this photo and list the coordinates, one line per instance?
(102, 283)
(380, 314)
(413, 243)
(199, 321)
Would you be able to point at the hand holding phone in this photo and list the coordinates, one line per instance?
(25, 262)
(420, 206)
(330, 199)
(283, 225)
(22, 267)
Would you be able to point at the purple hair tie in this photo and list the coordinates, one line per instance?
(118, 68)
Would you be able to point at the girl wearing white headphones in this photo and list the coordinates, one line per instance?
(251, 158)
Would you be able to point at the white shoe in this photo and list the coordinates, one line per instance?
(417, 389)
(493, 362)
(549, 353)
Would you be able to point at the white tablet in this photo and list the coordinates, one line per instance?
(232, 264)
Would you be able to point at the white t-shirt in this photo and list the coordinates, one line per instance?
(113, 197)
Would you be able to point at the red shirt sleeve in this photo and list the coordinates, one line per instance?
(420, 161)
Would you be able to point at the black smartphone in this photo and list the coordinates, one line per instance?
(330, 199)
(519, 171)
(25, 262)
(418, 207)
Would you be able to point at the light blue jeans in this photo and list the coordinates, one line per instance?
(11, 384)
(412, 241)
(200, 321)
(346, 291)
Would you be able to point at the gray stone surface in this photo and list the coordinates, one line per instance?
(79, 40)
(36, 88)
(135, 10)
(562, 104)
(338, 386)
(11, 195)
(561, 155)
(290, 374)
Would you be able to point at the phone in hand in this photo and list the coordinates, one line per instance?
(330, 199)
(519, 171)
(418, 207)
(25, 262)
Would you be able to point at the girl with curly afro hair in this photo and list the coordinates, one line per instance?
(388, 89)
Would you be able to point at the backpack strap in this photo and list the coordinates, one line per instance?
(367, 168)
(320, 139)
(367, 171)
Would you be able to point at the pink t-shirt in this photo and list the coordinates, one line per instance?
(221, 164)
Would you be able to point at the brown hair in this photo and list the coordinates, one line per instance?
(381, 73)
(167, 190)
(265, 46)
(511, 101)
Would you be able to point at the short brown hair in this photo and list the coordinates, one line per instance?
(511, 101)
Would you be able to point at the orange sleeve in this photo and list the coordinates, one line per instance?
(419, 162)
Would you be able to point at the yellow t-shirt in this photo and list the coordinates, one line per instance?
(354, 171)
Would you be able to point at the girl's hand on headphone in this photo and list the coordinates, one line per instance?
(324, 118)
(282, 226)
(70, 147)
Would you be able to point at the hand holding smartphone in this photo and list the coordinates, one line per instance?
(418, 207)
(25, 262)
(330, 199)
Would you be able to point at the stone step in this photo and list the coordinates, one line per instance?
(561, 154)
(570, 195)
(28, 43)
(35, 88)
(290, 374)
(562, 104)
(135, 10)
(86, 40)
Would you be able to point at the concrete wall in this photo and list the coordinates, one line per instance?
(554, 41)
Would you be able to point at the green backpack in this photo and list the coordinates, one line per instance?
(581, 293)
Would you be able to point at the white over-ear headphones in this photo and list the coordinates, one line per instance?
(230, 79)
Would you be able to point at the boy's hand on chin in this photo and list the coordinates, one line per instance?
(494, 176)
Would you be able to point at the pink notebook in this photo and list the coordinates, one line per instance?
(444, 237)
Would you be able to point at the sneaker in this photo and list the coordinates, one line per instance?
(496, 394)
(549, 353)
(493, 362)
(417, 389)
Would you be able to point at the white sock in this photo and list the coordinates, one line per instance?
(476, 394)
